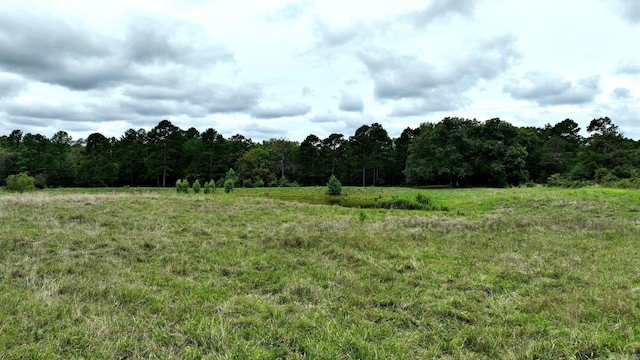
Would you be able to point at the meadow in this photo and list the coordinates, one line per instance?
(521, 273)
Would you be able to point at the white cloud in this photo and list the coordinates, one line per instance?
(312, 66)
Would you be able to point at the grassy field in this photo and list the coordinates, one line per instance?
(531, 273)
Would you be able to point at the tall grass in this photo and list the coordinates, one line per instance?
(508, 273)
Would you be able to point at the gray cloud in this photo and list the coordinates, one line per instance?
(47, 49)
(214, 98)
(161, 108)
(257, 131)
(627, 9)
(280, 111)
(441, 9)
(323, 118)
(350, 102)
(149, 42)
(76, 112)
(290, 11)
(50, 50)
(10, 85)
(628, 68)
(546, 89)
(330, 35)
(432, 102)
(621, 93)
(398, 77)
(226, 99)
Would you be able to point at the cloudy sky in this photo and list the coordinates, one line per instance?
(284, 68)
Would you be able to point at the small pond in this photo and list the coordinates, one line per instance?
(341, 200)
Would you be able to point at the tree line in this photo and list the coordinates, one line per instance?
(453, 152)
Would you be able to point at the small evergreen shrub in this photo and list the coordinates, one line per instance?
(334, 187)
(231, 175)
(196, 187)
(229, 185)
(182, 186)
(20, 183)
(258, 183)
(209, 187)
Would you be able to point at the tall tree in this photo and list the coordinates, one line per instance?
(382, 147)
(165, 142)
(9, 146)
(333, 151)
(308, 158)
(233, 149)
(283, 151)
(559, 152)
(401, 146)
(500, 159)
(99, 168)
(213, 145)
(256, 164)
(361, 145)
(33, 154)
(130, 152)
(443, 150)
(606, 148)
(63, 165)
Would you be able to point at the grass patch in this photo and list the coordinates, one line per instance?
(147, 273)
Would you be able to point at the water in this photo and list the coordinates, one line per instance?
(346, 201)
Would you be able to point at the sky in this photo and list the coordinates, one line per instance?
(287, 69)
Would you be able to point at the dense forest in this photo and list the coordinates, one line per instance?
(454, 152)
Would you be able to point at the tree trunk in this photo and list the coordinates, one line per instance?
(164, 167)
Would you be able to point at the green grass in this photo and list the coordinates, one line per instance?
(531, 273)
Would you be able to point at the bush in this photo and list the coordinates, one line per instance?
(182, 186)
(231, 175)
(557, 180)
(247, 183)
(423, 200)
(258, 183)
(397, 203)
(334, 187)
(40, 181)
(229, 185)
(603, 176)
(209, 187)
(284, 182)
(20, 183)
(196, 187)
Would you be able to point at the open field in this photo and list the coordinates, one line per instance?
(533, 273)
